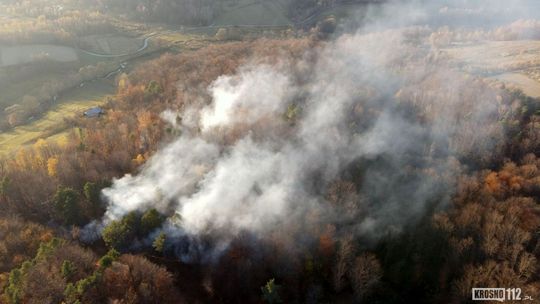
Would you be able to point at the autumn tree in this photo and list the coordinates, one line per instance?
(151, 220)
(136, 278)
(365, 274)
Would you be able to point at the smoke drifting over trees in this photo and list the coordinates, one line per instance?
(376, 107)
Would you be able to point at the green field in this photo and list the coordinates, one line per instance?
(53, 124)
(112, 44)
(14, 90)
(255, 13)
(15, 83)
(14, 55)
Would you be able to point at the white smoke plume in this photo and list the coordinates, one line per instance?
(262, 154)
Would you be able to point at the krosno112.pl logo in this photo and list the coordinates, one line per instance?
(499, 294)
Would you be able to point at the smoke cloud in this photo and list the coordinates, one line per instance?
(378, 107)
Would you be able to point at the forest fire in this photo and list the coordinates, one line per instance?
(387, 162)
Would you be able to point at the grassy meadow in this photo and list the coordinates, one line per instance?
(53, 123)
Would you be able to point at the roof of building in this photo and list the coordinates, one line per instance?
(94, 112)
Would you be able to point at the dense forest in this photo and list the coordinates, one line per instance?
(364, 168)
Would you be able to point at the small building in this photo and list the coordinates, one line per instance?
(94, 112)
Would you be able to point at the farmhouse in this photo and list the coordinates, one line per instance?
(94, 112)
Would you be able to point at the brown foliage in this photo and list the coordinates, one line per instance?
(365, 274)
(134, 279)
(19, 241)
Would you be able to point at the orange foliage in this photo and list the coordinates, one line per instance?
(327, 241)
(492, 182)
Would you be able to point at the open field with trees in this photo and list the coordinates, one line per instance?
(35, 77)
(57, 120)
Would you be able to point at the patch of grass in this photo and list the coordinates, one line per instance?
(52, 124)
(31, 83)
(13, 90)
(19, 54)
(175, 37)
(112, 44)
(255, 13)
(343, 11)
(87, 59)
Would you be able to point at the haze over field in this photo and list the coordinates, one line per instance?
(25, 54)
